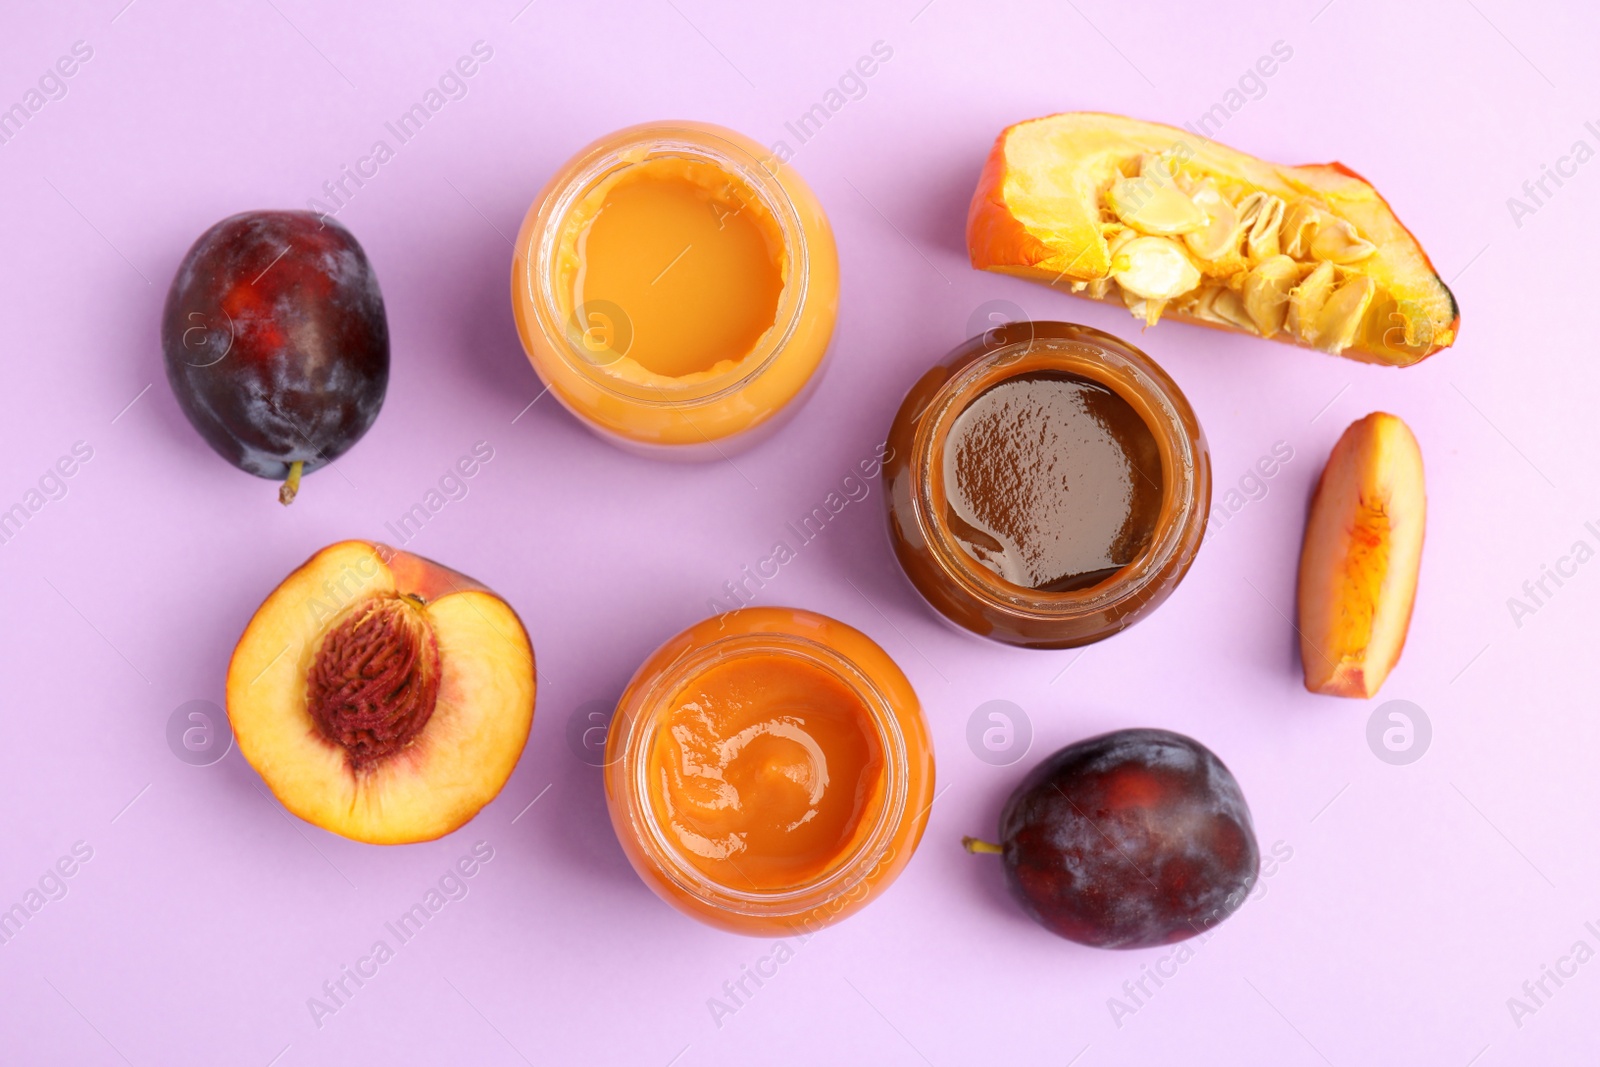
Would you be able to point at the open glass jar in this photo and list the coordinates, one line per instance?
(768, 771)
(1048, 485)
(675, 286)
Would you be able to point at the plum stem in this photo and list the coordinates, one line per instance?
(291, 485)
(973, 844)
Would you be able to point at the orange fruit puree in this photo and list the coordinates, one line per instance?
(691, 258)
(675, 287)
(762, 770)
(769, 771)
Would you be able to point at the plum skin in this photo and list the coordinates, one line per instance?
(1131, 839)
(276, 342)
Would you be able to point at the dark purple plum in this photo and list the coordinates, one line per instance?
(276, 342)
(1128, 840)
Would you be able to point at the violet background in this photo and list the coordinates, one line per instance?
(1418, 898)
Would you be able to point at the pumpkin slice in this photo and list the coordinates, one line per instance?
(1059, 195)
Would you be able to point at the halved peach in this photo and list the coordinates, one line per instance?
(1358, 567)
(1069, 199)
(380, 695)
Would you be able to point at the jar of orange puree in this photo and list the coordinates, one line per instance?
(768, 771)
(675, 286)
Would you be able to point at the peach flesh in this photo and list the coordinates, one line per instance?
(380, 695)
(1359, 563)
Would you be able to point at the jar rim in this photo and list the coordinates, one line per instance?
(628, 148)
(853, 867)
(1137, 380)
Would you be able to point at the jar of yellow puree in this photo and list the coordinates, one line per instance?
(675, 286)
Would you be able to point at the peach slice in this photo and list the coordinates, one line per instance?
(1358, 567)
(380, 695)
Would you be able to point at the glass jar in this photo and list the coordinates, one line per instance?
(948, 574)
(677, 699)
(726, 334)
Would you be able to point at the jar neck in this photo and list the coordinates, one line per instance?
(1023, 348)
(880, 823)
(566, 320)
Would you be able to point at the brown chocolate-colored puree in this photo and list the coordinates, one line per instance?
(1052, 481)
(1047, 485)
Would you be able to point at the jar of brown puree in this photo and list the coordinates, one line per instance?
(1047, 485)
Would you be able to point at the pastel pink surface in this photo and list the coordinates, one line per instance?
(1418, 898)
